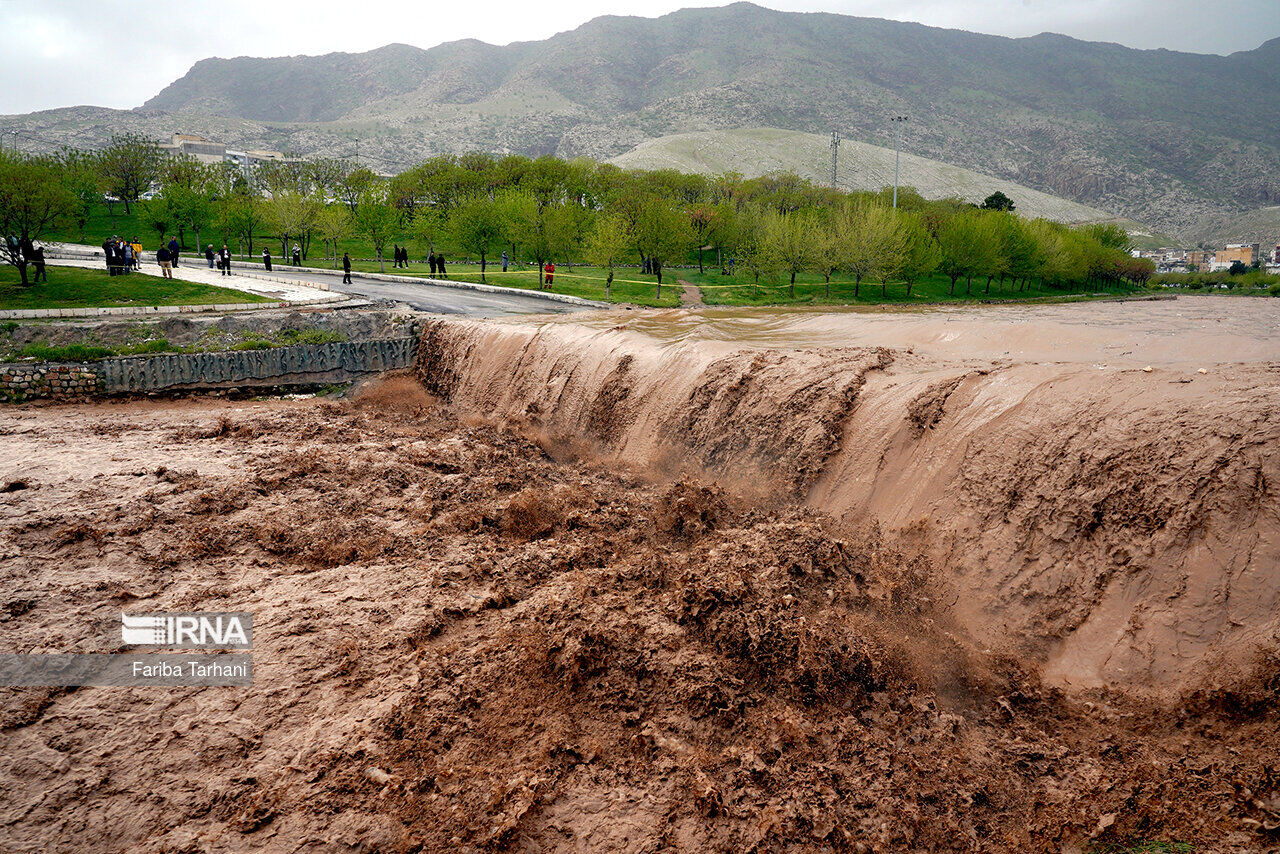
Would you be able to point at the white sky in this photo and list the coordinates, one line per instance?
(119, 53)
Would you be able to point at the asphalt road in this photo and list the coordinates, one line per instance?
(426, 297)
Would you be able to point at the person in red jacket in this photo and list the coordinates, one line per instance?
(550, 271)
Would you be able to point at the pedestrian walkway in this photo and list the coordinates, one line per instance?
(281, 293)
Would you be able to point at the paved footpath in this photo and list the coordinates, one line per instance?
(311, 286)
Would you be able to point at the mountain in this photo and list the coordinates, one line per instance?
(1164, 137)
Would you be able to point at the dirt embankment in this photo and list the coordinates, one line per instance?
(465, 644)
(1117, 526)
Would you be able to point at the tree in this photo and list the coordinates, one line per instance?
(703, 219)
(997, 201)
(334, 225)
(80, 175)
(355, 185)
(33, 199)
(921, 254)
(751, 246)
(661, 233)
(240, 215)
(968, 246)
(129, 166)
(291, 214)
(791, 239)
(608, 244)
(188, 189)
(870, 243)
(375, 218)
(477, 225)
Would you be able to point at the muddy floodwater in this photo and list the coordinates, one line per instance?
(1200, 330)
(986, 579)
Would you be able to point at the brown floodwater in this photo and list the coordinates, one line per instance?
(1187, 331)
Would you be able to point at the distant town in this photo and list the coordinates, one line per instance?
(1250, 256)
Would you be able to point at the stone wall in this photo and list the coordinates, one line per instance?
(300, 365)
(26, 381)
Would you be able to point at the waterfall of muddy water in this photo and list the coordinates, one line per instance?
(1121, 525)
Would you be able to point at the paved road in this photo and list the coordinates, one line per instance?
(433, 298)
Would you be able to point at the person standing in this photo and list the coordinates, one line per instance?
(129, 261)
(297, 255)
(224, 260)
(173, 251)
(208, 254)
(137, 254)
(37, 258)
(440, 266)
(106, 253)
(550, 270)
(431, 261)
(266, 260)
(163, 259)
(346, 268)
(505, 260)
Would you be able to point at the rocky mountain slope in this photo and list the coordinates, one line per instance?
(1164, 137)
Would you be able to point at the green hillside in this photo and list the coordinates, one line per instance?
(760, 151)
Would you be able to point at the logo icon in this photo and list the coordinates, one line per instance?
(211, 630)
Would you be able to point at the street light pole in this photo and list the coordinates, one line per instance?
(897, 139)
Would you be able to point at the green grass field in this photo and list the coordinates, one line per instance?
(810, 289)
(77, 287)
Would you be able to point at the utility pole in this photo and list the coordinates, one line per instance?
(835, 153)
(357, 152)
(897, 120)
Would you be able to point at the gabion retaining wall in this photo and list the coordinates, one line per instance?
(303, 364)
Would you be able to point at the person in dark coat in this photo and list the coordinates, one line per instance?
(346, 268)
(440, 266)
(163, 259)
(431, 262)
(37, 258)
(208, 255)
(224, 260)
(297, 255)
(266, 260)
(173, 251)
(108, 253)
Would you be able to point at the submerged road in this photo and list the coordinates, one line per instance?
(438, 299)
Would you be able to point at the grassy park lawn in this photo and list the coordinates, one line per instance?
(810, 289)
(77, 287)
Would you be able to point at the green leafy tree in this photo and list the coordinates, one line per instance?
(478, 225)
(870, 243)
(334, 225)
(921, 254)
(793, 240)
(968, 246)
(608, 245)
(292, 215)
(33, 200)
(662, 232)
(375, 218)
(129, 166)
(997, 201)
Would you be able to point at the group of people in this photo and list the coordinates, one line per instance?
(400, 257)
(123, 255)
(436, 262)
(26, 251)
(222, 259)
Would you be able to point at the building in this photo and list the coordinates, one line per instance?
(203, 150)
(1245, 253)
(1200, 259)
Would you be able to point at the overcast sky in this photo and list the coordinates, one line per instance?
(118, 53)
